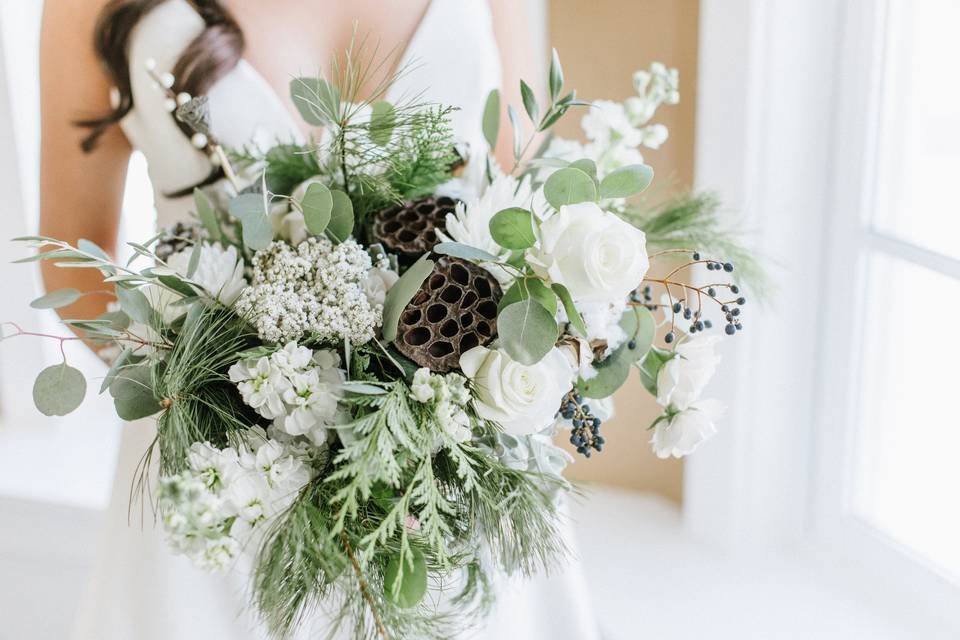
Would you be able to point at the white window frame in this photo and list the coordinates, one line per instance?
(782, 135)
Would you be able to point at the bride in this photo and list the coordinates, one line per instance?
(242, 54)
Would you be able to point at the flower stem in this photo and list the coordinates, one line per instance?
(364, 590)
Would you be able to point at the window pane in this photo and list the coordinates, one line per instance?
(909, 438)
(918, 147)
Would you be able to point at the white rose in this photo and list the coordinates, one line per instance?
(219, 271)
(682, 379)
(593, 253)
(378, 283)
(685, 431)
(522, 399)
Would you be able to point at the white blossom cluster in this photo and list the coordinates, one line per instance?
(449, 395)
(315, 288)
(688, 420)
(616, 130)
(215, 509)
(297, 388)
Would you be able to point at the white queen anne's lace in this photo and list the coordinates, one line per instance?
(314, 289)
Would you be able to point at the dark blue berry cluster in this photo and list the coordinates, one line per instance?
(585, 432)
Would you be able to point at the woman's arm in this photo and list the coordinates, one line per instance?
(513, 29)
(80, 194)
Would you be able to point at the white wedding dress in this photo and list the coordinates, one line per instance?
(139, 590)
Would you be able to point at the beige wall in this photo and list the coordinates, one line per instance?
(601, 43)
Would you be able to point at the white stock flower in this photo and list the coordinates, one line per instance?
(683, 377)
(421, 388)
(607, 124)
(596, 255)
(219, 270)
(291, 358)
(312, 403)
(681, 433)
(523, 399)
(378, 283)
(261, 385)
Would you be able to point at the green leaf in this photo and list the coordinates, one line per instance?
(317, 100)
(122, 361)
(555, 76)
(527, 330)
(363, 389)
(132, 391)
(249, 209)
(626, 181)
(530, 287)
(59, 389)
(118, 320)
(513, 228)
(135, 305)
(341, 217)
(569, 186)
(517, 131)
(612, 371)
(179, 285)
(586, 165)
(317, 203)
(207, 215)
(529, 101)
(56, 299)
(382, 120)
(491, 118)
(573, 314)
(465, 252)
(406, 587)
(194, 260)
(401, 293)
(650, 368)
(93, 249)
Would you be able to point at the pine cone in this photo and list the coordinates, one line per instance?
(410, 229)
(454, 311)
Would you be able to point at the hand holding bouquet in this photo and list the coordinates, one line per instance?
(359, 351)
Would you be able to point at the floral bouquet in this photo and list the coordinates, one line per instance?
(359, 351)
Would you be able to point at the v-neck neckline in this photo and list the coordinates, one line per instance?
(296, 123)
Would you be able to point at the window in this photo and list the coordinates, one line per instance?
(903, 468)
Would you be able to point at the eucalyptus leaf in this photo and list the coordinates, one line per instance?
(178, 284)
(317, 203)
(513, 228)
(573, 314)
(569, 186)
(57, 299)
(122, 361)
(626, 181)
(527, 331)
(586, 165)
(529, 101)
(135, 304)
(118, 320)
(249, 209)
(465, 252)
(132, 392)
(533, 288)
(613, 371)
(194, 260)
(401, 293)
(317, 101)
(382, 121)
(341, 216)
(207, 215)
(555, 77)
(59, 389)
(93, 249)
(491, 118)
(650, 368)
(406, 587)
(517, 131)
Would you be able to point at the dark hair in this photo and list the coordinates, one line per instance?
(210, 56)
